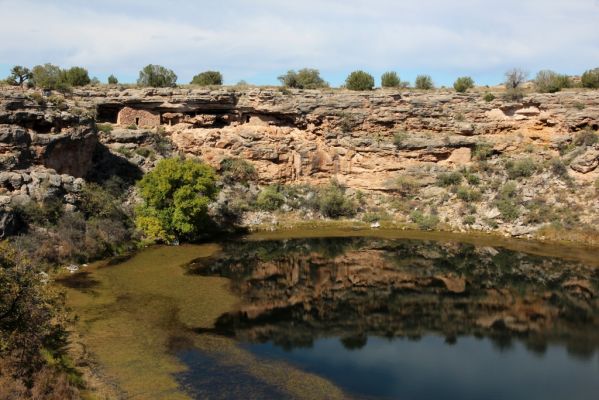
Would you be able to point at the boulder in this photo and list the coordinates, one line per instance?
(586, 162)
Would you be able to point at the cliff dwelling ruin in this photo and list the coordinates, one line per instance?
(132, 116)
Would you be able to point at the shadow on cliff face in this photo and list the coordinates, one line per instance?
(107, 165)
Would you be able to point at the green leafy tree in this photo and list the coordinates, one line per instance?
(424, 82)
(359, 80)
(305, 78)
(49, 76)
(548, 81)
(18, 75)
(462, 84)
(390, 80)
(31, 315)
(590, 79)
(77, 76)
(112, 80)
(175, 197)
(156, 76)
(208, 78)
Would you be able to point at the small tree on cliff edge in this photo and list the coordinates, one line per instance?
(390, 80)
(156, 76)
(462, 84)
(305, 78)
(208, 78)
(359, 80)
(424, 82)
(175, 197)
(18, 75)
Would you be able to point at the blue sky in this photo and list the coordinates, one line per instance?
(260, 39)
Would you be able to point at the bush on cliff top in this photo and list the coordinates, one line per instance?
(590, 79)
(390, 80)
(424, 82)
(359, 80)
(156, 76)
(305, 78)
(175, 197)
(462, 84)
(548, 81)
(207, 78)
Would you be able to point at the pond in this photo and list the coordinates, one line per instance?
(346, 316)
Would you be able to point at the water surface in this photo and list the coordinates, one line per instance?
(346, 317)
(414, 319)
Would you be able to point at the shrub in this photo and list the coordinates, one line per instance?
(590, 79)
(18, 75)
(390, 80)
(333, 203)
(425, 222)
(33, 332)
(156, 76)
(468, 195)
(399, 138)
(145, 152)
(469, 220)
(472, 179)
(237, 170)
(77, 76)
(407, 185)
(558, 168)
(462, 84)
(270, 199)
(522, 168)
(548, 81)
(449, 179)
(371, 217)
(586, 137)
(112, 80)
(507, 201)
(482, 151)
(175, 197)
(359, 80)
(46, 213)
(488, 97)
(305, 78)
(58, 102)
(106, 128)
(49, 76)
(207, 78)
(424, 82)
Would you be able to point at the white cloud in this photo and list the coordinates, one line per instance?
(264, 37)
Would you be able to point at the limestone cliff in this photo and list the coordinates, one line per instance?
(366, 140)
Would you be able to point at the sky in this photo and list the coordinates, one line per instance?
(258, 40)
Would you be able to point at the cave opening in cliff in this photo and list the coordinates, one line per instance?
(107, 113)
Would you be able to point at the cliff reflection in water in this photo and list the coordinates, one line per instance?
(296, 291)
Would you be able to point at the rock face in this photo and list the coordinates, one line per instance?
(373, 142)
(45, 152)
(311, 136)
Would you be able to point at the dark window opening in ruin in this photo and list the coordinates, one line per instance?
(247, 118)
(107, 113)
(136, 120)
